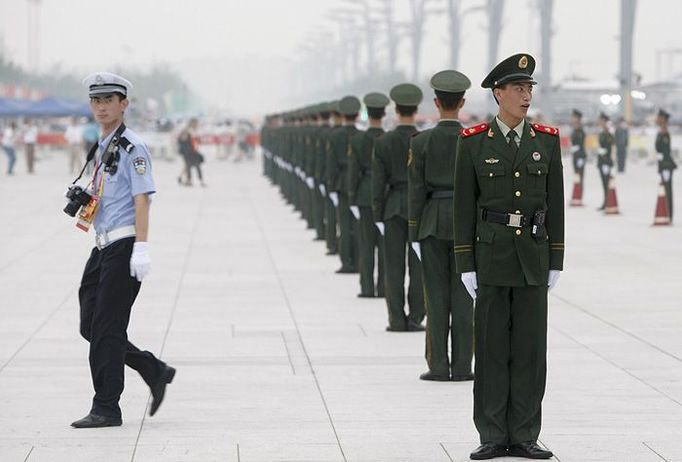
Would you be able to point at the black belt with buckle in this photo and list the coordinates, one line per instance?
(515, 220)
(445, 194)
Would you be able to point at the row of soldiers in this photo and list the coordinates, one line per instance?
(605, 164)
(474, 215)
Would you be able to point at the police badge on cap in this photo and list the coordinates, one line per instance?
(106, 83)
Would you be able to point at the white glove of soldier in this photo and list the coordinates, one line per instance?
(355, 210)
(140, 262)
(553, 278)
(323, 190)
(417, 247)
(575, 148)
(310, 182)
(381, 227)
(602, 151)
(580, 163)
(665, 175)
(470, 283)
(334, 197)
(605, 169)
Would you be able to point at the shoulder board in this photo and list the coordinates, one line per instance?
(126, 144)
(476, 129)
(546, 129)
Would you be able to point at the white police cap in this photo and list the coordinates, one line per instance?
(106, 83)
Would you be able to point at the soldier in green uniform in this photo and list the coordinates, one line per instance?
(604, 158)
(578, 151)
(318, 143)
(389, 192)
(431, 172)
(337, 181)
(666, 164)
(509, 247)
(360, 194)
(330, 225)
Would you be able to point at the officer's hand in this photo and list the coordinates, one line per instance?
(323, 190)
(580, 163)
(665, 175)
(140, 262)
(355, 210)
(334, 197)
(553, 278)
(417, 247)
(470, 282)
(310, 182)
(381, 227)
(605, 169)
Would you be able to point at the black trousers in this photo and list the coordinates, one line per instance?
(107, 293)
(668, 185)
(604, 184)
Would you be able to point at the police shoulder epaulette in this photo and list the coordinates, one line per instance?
(476, 129)
(546, 129)
(126, 144)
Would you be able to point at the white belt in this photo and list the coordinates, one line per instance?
(104, 239)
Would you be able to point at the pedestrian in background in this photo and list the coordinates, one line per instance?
(74, 141)
(8, 139)
(30, 140)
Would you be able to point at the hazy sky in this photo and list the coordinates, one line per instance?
(233, 52)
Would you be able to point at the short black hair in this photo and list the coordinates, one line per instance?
(449, 100)
(405, 111)
(376, 112)
(351, 117)
(325, 115)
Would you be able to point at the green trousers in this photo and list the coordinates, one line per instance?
(330, 226)
(395, 246)
(449, 310)
(347, 234)
(368, 241)
(511, 362)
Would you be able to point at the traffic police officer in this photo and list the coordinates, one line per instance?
(389, 192)
(604, 158)
(666, 164)
(121, 188)
(509, 247)
(360, 195)
(431, 172)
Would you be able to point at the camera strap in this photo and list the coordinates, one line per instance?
(93, 151)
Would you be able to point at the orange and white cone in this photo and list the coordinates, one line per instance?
(662, 216)
(577, 197)
(611, 199)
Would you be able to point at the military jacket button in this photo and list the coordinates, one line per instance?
(518, 193)
(518, 232)
(517, 174)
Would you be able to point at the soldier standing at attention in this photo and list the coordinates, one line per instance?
(666, 164)
(389, 192)
(604, 159)
(360, 194)
(337, 182)
(578, 149)
(622, 139)
(431, 172)
(509, 247)
(330, 223)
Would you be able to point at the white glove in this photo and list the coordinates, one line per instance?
(575, 148)
(666, 174)
(417, 247)
(602, 151)
(355, 210)
(580, 163)
(310, 182)
(323, 190)
(381, 227)
(470, 282)
(334, 197)
(140, 262)
(553, 278)
(605, 169)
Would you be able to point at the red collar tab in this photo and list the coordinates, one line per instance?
(476, 129)
(546, 129)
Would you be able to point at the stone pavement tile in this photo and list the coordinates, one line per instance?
(198, 449)
(12, 451)
(590, 448)
(85, 452)
(398, 450)
(669, 449)
(269, 451)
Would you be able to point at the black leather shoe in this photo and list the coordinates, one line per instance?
(462, 377)
(331, 252)
(414, 327)
(396, 329)
(529, 450)
(488, 451)
(97, 421)
(343, 270)
(434, 377)
(365, 295)
(159, 388)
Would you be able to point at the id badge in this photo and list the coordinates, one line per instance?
(87, 214)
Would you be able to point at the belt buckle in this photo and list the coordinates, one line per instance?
(100, 241)
(515, 220)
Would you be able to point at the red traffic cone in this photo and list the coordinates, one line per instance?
(611, 199)
(662, 216)
(577, 197)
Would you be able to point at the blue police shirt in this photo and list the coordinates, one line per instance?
(133, 177)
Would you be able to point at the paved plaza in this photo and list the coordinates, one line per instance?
(279, 361)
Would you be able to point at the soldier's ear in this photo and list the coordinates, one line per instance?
(461, 103)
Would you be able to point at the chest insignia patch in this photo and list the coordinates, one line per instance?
(140, 165)
(492, 161)
(537, 156)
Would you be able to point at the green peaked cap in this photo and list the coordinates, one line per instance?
(450, 81)
(376, 100)
(516, 68)
(406, 94)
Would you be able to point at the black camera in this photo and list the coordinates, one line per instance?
(77, 199)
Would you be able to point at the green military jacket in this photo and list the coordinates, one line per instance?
(337, 157)
(578, 146)
(489, 176)
(663, 156)
(431, 169)
(605, 148)
(320, 149)
(389, 173)
(360, 167)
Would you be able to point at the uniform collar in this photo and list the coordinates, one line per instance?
(505, 129)
(449, 122)
(103, 143)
